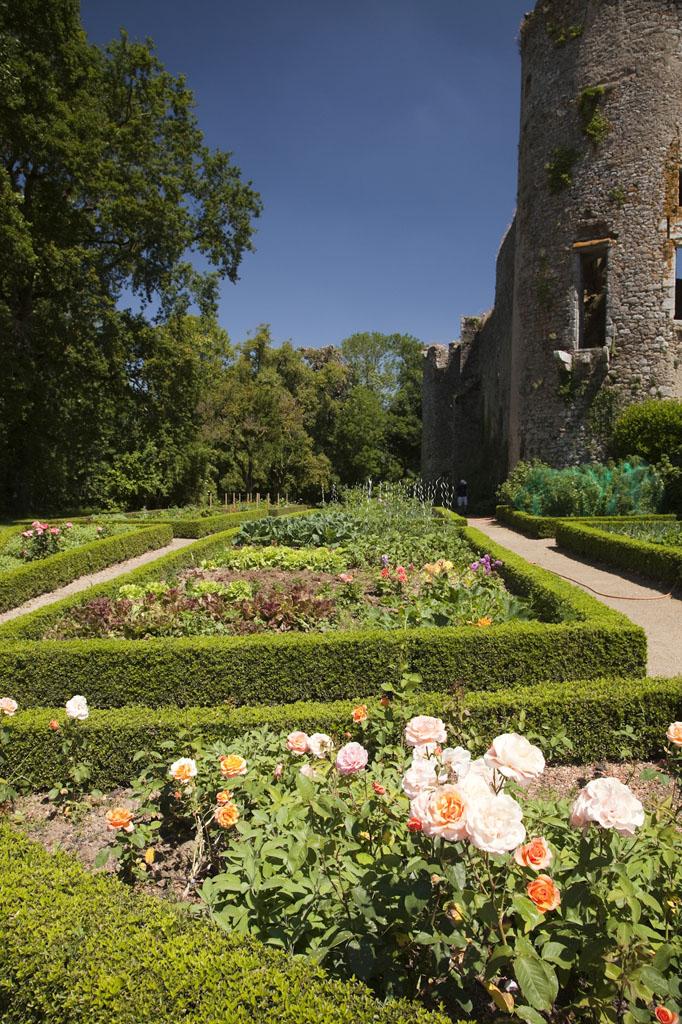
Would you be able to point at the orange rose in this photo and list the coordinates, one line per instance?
(378, 788)
(227, 815)
(485, 620)
(53, 724)
(536, 854)
(665, 1016)
(414, 824)
(224, 796)
(544, 893)
(232, 765)
(360, 713)
(120, 817)
(385, 701)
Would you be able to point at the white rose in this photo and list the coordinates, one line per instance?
(457, 760)
(610, 804)
(423, 730)
(184, 769)
(422, 775)
(495, 824)
(475, 786)
(442, 812)
(8, 706)
(319, 744)
(515, 758)
(77, 708)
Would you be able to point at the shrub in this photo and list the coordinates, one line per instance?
(588, 490)
(47, 574)
(638, 556)
(546, 526)
(591, 713)
(653, 431)
(82, 948)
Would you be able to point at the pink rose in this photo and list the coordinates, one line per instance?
(420, 776)
(423, 730)
(297, 743)
(515, 758)
(279, 771)
(442, 812)
(8, 706)
(610, 804)
(495, 824)
(68, 526)
(351, 758)
(55, 531)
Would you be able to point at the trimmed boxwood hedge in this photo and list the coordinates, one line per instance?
(47, 574)
(207, 525)
(591, 712)
(78, 947)
(581, 638)
(655, 560)
(546, 526)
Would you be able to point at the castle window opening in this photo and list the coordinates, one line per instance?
(592, 294)
(678, 283)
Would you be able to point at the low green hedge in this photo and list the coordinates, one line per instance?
(546, 526)
(47, 574)
(655, 560)
(78, 947)
(207, 525)
(592, 713)
(581, 638)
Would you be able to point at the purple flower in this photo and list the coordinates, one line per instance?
(475, 566)
(384, 561)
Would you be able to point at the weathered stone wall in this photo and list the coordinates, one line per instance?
(599, 158)
(622, 185)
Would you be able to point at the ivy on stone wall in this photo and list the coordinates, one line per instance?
(560, 168)
(596, 125)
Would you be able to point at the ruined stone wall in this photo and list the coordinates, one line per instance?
(598, 159)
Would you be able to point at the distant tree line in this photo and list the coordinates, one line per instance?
(111, 393)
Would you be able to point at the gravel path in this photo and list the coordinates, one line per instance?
(661, 618)
(83, 582)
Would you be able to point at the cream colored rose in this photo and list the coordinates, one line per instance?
(77, 708)
(183, 770)
(457, 760)
(308, 771)
(515, 758)
(475, 786)
(674, 733)
(442, 812)
(297, 743)
(420, 776)
(495, 824)
(424, 730)
(609, 803)
(8, 706)
(319, 744)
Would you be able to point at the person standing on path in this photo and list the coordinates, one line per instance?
(463, 495)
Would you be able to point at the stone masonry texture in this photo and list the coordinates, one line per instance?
(600, 156)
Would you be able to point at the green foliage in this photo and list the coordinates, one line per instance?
(562, 34)
(78, 947)
(26, 581)
(560, 168)
(106, 189)
(666, 533)
(596, 125)
(593, 715)
(579, 637)
(204, 526)
(37, 543)
(587, 490)
(638, 556)
(545, 526)
(319, 559)
(653, 431)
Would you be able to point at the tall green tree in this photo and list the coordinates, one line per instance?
(107, 191)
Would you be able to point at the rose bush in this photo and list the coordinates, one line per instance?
(429, 872)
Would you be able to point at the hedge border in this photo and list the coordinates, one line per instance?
(197, 528)
(657, 561)
(47, 574)
(592, 713)
(84, 947)
(539, 527)
(580, 639)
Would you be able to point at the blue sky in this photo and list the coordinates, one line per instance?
(381, 135)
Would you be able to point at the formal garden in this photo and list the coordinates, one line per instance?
(359, 738)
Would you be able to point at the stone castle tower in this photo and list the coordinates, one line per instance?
(588, 300)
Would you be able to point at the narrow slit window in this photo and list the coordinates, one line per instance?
(592, 294)
(678, 284)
